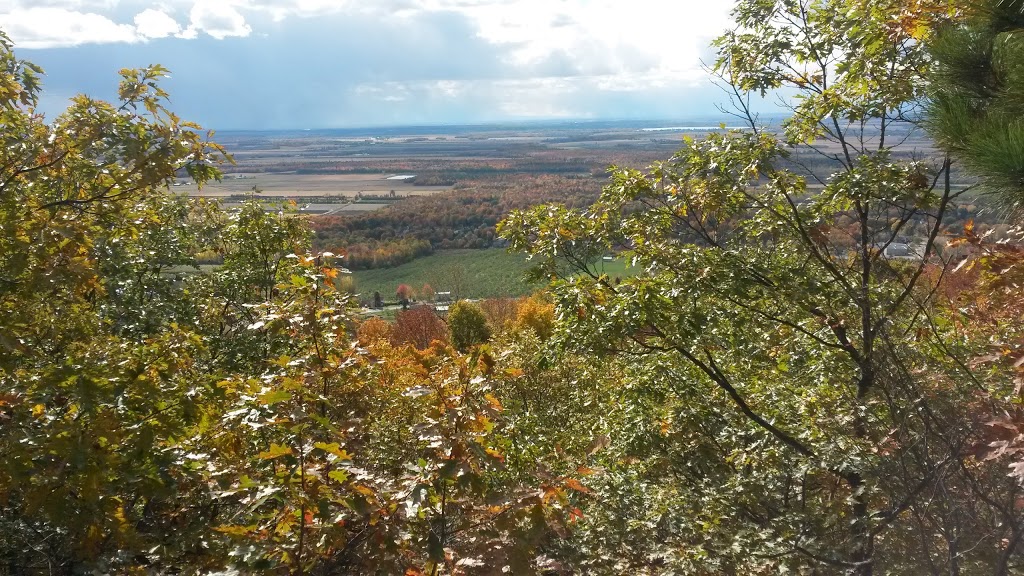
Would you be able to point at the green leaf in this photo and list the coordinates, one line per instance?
(274, 397)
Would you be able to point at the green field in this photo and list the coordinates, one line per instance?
(465, 273)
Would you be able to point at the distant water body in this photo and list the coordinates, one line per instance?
(693, 124)
(691, 128)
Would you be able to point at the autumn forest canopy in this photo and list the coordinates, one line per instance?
(814, 366)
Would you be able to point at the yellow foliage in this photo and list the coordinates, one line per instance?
(373, 330)
(276, 451)
(537, 315)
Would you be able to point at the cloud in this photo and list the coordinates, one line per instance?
(152, 23)
(603, 36)
(217, 18)
(539, 37)
(45, 27)
(62, 23)
(314, 63)
(76, 5)
(579, 97)
(299, 72)
(281, 9)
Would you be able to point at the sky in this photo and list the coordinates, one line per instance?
(295, 64)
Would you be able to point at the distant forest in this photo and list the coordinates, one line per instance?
(486, 191)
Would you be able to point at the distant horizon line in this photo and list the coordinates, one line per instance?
(704, 121)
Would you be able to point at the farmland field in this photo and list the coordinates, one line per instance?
(466, 273)
(492, 273)
(392, 196)
(336, 166)
(294, 185)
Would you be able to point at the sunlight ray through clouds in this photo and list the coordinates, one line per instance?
(465, 59)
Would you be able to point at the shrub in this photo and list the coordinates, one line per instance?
(468, 325)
